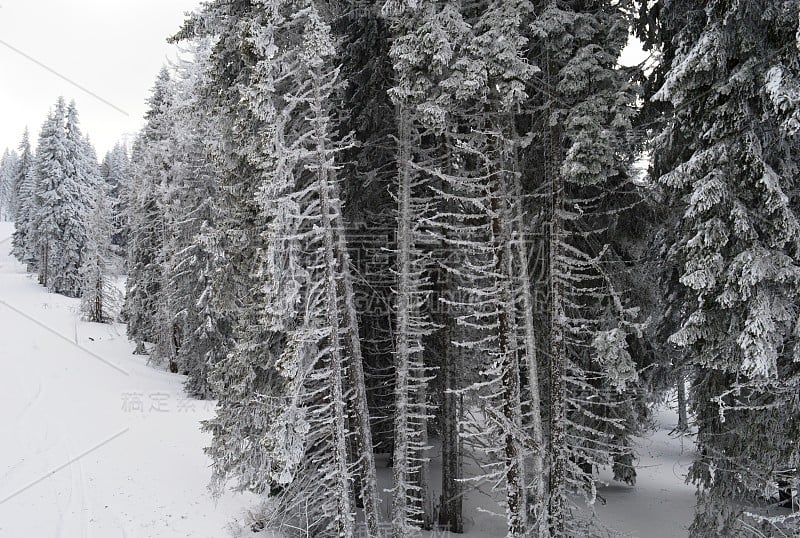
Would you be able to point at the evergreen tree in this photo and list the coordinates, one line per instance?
(24, 196)
(734, 71)
(66, 175)
(411, 504)
(368, 165)
(83, 164)
(146, 308)
(100, 299)
(116, 171)
(48, 172)
(293, 379)
(581, 113)
(459, 73)
(190, 254)
(9, 166)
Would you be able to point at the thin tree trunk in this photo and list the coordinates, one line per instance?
(516, 509)
(683, 420)
(451, 506)
(368, 474)
(558, 460)
(400, 460)
(98, 300)
(344, 491)
(44, 264)
(410, 422)
(451, 503)
(536, 508)
(424, 465)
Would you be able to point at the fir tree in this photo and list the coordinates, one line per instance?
(116, 171)
(66, 175)
(444, 65)
(293, 379)
(146, 308)
(9, 167)
(582, 109)
(100, 299)
(369, 168)
(190, 254)
(734, 71)
(24, 196)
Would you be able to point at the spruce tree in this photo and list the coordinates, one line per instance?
(369, 168)
(9, 166)
(66, 176)
(189, 254)
(116, 172)
(459, 73)
(100, 299)
(151, 159)
(24, 197)
(726, 159)
(294, 378)
(579, 173)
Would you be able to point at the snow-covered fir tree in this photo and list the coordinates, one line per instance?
(578, 173)
(24, 196)
(294, 379)
(9, 167)
(116, 173)
(66, 177)
(727, 160)
(368, 167)
(455, 71)
(190, 253)
(146, 308)
(100, 298)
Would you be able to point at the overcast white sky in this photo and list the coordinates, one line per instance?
(113, 48)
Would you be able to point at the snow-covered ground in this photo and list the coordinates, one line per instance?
(96, 443)
(661, 505)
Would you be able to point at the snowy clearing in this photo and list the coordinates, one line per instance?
(94, 448)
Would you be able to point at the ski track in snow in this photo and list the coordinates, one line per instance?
(59, 401)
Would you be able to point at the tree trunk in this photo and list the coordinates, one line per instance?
(44, 264)
(368, 474)
(424, 465)
(558, 465)
(410, 478)
(339, 430)
(683, 420)
(451, 502)
(536, 507)
(451, 505)
(516, 510)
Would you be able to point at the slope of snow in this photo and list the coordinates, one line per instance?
(95, 443)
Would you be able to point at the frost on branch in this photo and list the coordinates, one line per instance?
(611, 351)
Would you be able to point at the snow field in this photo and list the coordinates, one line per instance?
(96, 442)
